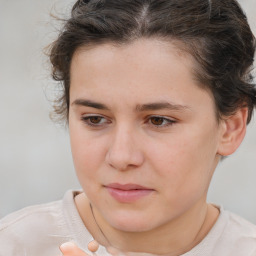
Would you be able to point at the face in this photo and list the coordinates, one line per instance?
(144, 135)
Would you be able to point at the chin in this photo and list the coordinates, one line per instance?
(130, 227)
(131, 223)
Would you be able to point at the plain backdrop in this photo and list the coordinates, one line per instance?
(35, 158)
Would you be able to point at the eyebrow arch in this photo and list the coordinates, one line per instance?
(89, 103)
(161, 105)
(139, 108)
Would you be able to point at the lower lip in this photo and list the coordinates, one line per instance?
(128, 196)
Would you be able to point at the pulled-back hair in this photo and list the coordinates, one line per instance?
(215, 32)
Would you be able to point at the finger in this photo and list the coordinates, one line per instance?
(93, 246)
(70, 249)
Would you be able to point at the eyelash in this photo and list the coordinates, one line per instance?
(167, 122)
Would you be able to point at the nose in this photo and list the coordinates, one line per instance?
(124, 151)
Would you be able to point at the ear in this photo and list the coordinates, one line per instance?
(233, 132)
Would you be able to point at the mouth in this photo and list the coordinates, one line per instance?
(127, 193)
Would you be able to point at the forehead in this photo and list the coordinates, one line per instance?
(152, 54)
(148, 46)
(144, 69)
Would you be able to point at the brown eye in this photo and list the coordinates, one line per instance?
(160, 121)
(95, 119)
(157, 120)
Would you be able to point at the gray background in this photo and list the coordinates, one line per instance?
(35, 158)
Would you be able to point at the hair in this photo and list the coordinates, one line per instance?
(215, 32)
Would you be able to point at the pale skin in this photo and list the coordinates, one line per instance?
(137, 115)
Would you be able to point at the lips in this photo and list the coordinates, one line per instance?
(127, 193)
(126, 186)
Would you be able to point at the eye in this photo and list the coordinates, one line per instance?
(160, 121)
(94, 120)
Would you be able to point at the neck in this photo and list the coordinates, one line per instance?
(173, 238)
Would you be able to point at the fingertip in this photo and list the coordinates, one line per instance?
(71, 249)
(93, 246)
(65, 247)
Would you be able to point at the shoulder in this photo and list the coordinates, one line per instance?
(238, 234)
(34, 226)
(237, 223)
(230, 235)
(25, 226)
(29, 213)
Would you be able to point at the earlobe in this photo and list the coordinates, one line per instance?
(233, 132)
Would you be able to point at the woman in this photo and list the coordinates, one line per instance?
(155, 93)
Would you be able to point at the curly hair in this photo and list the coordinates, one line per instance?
(215, 32)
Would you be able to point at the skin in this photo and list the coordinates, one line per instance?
(70, 249)
(172, 148)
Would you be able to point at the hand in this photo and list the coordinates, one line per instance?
(70, 249)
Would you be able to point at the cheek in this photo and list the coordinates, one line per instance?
(88, 153)
(87, 158)
(185, 162)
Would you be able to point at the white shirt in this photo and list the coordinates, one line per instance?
(39, 231)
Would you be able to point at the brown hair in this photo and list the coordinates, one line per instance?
(215, 32)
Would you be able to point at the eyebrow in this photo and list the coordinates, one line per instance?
(161, 105)
(89, 103)
(139, 108)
